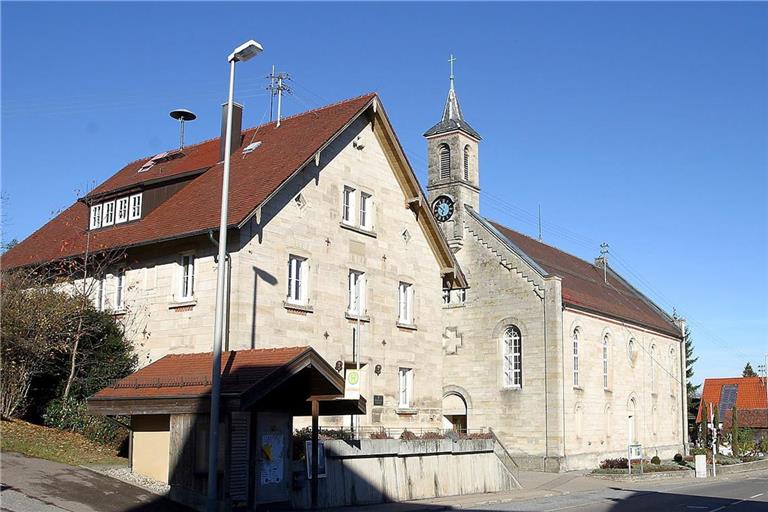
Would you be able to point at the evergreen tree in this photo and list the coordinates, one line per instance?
(748, 371)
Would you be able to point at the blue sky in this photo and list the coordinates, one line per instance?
(643, 125)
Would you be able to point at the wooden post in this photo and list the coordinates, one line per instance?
(314, 483)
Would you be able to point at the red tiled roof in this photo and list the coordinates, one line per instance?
(583, 285)
(195, 208)
(751, 393)
(189, 375)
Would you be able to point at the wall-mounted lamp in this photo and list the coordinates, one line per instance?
(339, 366)
(377, 369)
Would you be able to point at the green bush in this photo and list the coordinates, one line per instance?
(71, 415)
(655, 460)
(407, 435)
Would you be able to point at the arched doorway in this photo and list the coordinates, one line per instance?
(454, 412)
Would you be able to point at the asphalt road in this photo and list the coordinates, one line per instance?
(739, 493)
(37, 485)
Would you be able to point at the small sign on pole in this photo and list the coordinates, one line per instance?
(701, 466)
(635, 452)
(352, 384)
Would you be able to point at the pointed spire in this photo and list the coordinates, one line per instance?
(453, 118)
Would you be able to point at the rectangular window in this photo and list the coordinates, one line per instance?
(120, 289)
(405, 300)
(187, 276)
(366, 211)
(122, 210)
(348, 207)
(406, 387)
(356, 305)
(576, 359)
(297, 279)
(109, 214)
(513, 358)
(605, 363)
(135, 208)
(96, 216)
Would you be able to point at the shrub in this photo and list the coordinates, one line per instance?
(621, 463)
(407, 435)
(655, 460)
(302, 435)
(678, 458)
(699, 451)
(71, 415)
(381, 434)
(432, 435)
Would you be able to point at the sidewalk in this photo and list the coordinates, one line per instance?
(534, 485)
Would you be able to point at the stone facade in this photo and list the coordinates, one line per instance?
(394, 250)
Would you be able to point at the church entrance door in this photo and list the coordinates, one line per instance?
(454, 413)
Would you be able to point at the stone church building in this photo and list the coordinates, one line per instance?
(566, 360)
(455, 321)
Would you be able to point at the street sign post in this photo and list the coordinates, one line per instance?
(635, 452)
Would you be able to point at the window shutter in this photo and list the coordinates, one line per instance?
(238, 479)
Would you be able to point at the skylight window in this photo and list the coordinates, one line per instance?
(250, 147)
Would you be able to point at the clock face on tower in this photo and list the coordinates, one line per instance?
(443, 208)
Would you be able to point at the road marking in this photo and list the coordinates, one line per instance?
(719, 508)
(695, 506)
(756, 496)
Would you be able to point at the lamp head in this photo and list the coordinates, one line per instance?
(245, 51)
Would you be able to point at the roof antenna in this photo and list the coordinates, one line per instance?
(277, 87)
(539, 222)
(181, 115)
(604, 259)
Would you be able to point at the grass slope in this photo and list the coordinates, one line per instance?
(53, 444)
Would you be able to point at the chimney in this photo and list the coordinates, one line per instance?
(237, 127)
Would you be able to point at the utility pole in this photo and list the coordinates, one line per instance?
(277, 86)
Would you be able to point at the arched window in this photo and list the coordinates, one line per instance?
(605, 362)
(445, 162)
(466, 162)
(513, 357)
(576, 335)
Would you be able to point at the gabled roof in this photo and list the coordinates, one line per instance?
(277, 378)
(193, 210)
(453, 118)
(583, 286)
(750, 394)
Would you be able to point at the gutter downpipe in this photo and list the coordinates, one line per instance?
(546, 376)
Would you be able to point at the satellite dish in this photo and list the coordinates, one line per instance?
(181, 115)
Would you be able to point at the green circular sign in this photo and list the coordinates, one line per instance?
(353, 377)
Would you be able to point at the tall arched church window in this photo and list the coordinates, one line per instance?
(445, 162)
(513, 357)
(466, 163)
(576, 335)
(605, 362)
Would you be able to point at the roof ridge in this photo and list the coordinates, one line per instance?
(245, 131)
(591, 264)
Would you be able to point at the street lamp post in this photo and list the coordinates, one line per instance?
(242, 53)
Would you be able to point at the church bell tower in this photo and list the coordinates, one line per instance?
(453, 171)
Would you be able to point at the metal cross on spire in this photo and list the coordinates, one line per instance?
(451, 61)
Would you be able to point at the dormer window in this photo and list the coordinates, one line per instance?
(122, 210)
(117, 211)
(96, 216)
(135, 211)
(109, 214)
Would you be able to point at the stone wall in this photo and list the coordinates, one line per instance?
(380, 470)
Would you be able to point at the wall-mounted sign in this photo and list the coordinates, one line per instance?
(378, 400)
(321, 471)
